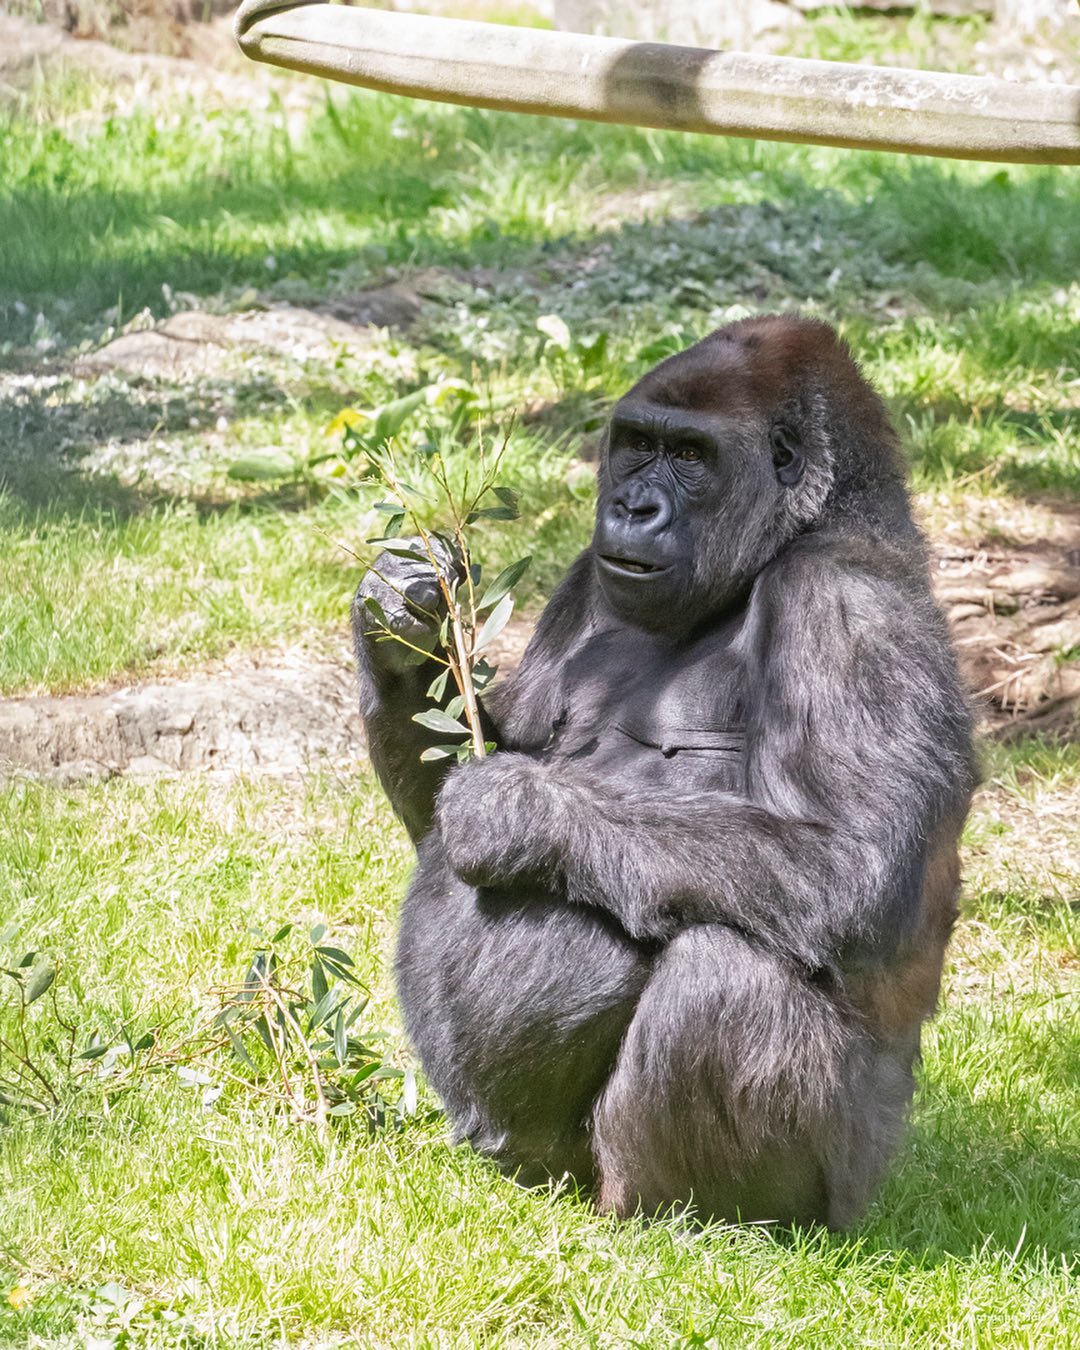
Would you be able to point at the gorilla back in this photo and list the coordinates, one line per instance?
(677, 937)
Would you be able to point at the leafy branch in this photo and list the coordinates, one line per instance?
(288, 1032)
(473, 617)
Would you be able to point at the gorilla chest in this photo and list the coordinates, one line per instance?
(634, 706)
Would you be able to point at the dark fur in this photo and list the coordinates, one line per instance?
(679, 935)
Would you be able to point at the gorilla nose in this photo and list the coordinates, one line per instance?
(642, 505)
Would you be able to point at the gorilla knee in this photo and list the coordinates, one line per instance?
(728, 1089)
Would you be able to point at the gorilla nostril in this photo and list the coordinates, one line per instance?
(641, 504)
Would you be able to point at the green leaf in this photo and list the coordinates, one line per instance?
(336, 954)
(436, 720)
(341, 1048)
(343, 1109)
(437, 687)
(483, 672)
(392, 416)
(40, 982)
(282, 933)
(505, 582)
(394, 524)
(376, 611)
(94, 1052)
(367, 1071)
(327, 1006)
(495, 623)
(494, 513)
(239, 1049)
(508, 496)
(456, 706)
(317, 934)
(398, 552)
(264, 466)
(660, 348)
(319, 984)
(438, 752)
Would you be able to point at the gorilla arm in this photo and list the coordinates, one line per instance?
(395, 674)
(857, 751)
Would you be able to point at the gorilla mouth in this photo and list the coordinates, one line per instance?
(631, 565)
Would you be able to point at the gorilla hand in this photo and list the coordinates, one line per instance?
(408, 592)
(499, 819)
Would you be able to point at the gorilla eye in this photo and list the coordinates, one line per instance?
(686, 453)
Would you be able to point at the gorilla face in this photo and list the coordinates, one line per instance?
(691, 507)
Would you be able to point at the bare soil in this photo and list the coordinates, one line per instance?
(1015, 615)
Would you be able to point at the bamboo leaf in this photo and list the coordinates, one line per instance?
(436, 720)
(505, 582)
(437, 687)
(40, 982)
(496, 621)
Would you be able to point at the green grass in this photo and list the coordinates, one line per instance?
(229, 1226)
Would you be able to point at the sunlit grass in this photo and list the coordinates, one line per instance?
(230, 1226)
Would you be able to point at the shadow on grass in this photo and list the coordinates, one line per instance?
(373, 174)
(45, 437)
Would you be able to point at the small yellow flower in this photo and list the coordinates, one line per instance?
(19, 1297)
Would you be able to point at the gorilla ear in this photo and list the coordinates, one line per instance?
(787, 456)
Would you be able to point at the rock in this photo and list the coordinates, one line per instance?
(191, 343)
(282, 718)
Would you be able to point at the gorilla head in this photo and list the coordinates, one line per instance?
(720, 456)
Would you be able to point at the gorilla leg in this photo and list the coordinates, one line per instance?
(516, 1004)
(747, 1091)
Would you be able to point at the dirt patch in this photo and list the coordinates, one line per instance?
(1014, 607)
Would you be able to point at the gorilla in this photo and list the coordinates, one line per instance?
(677, 936)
